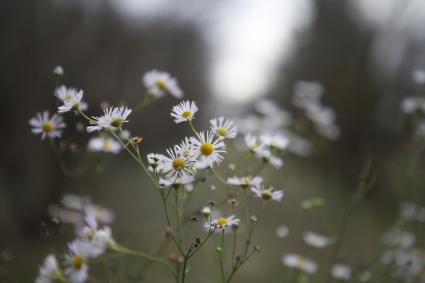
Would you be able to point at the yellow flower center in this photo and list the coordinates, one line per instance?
(68, 97)
(222, 221)
(186, 114)
(221, 132)
(266, 194)
(300, 262)
(161, 84)
(106, 144)
(178, 164)
(207, 149)
(77, 261)
(116, 122)
(47, 126)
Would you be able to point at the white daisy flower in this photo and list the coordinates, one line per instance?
(184, 111)
(58, 71)
(223, 223)
(64, 93)
(207, 150)
(317, 240)
(300, 263)
(341, 272)
(47, 126)
(224, 128)
(72, 101)
(112, 118)
(160, 83)
(99, 238)
(76, 261)
(105, 144)
(251, 143)
(275, 141)
(282, 231)
(49, 271)
(155, 162)
(267, 194)
(178, 164)
(245, 182)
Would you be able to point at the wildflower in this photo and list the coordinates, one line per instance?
(206, 211)
(222, 223)
(341, 272)
(251, 143)
(224, 128)
(276, 141)
(184, 111)
(178, 164)
(300, 263)
(282, 231)
(207, 150)
(76, 261)
(99, 238)
(160, 83)
(49, 271)
(245, 182)
(58, 71)
(112, 119)
(105, 144)
(136, 140)
(47, 126)
(64, 93)
(307, 93)
(267, 194)
(402, 239)
(176, 182)
(317, 240)
(71, 99)
(155, 162)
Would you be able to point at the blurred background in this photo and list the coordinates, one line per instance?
(227, 55)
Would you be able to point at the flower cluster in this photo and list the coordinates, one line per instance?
(92, 240)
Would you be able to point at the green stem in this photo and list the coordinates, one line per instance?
(221, 257)
(146, 256)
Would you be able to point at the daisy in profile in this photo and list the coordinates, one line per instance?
(176, 182)
(73, 102)
(105, 144)
(159, 83)
(76, 261)
(245, 182)
(112, 119)
(207, 150)
(222, 223)
(206, 212)
(266, 194)
(251, 143)
(184, 111)
(47, 126)
(300, 263)
(275, 141)
(49, 271)
(224, 128)
(267, 156)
